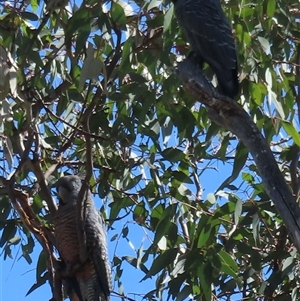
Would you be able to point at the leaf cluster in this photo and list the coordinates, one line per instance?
(87, 87)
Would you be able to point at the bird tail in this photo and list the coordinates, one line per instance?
(72, 288)
(88, 283)
(228, 82)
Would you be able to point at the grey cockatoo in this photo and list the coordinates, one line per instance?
(91, 279)
(208, 31)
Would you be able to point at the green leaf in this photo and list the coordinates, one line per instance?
(162, 229)
(288, 266)
(14, 241)
(173, 155)
(8, 233)
(272, 96)
(139, 257)
(42, 280)
(256, 226)
(238, 211)
(182, 177)
(119, 204)
(79, 19)
(290, 129)
(204, 272)
(228, 265)
(140, 213)
(264, 44)
(208, 231)
(154, 3)
(41, 265)
(117, 14)
(134, 262)
(29, 16)
(184, 293)
(125, 231)
(239, 162)
(255, 259)
(271, 6)
(26, 251)
(5, 209)
(168, 18)
(161, 262)
(179, 268)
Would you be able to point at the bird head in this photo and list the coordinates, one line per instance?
(68, 188)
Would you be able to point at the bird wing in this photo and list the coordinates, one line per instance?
(208, 31)
(67, 245)
(97, 250)
(66, 233)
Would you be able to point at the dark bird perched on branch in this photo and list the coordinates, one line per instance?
(91, 279)
(208, 31)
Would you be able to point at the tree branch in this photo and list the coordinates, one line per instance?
(230, 115)
(21, 204)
